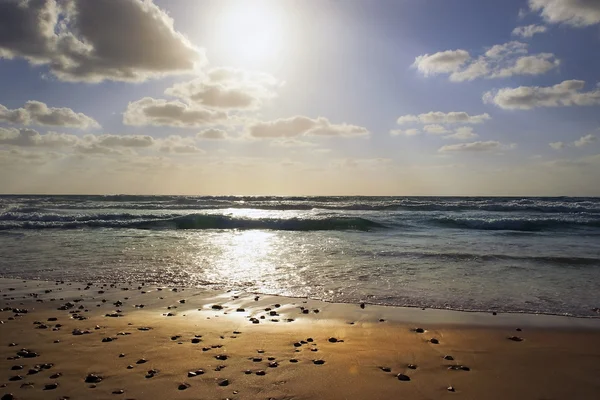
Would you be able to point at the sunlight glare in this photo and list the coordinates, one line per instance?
(251, 32)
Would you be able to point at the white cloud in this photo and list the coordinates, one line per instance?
(475, 147)
(528, 31)
(212, 134)
(227, 88)
(38, 113)
(107, 140)
(442, 62)
(96, 40)
(499, 61)
(435, 129)
(566, 93)
(32, 138)
(404, 132)
(150, 111)
(438, 117)
(462, 133)
(557, 145)
(304, 126)
(585, 140)
(577, 13)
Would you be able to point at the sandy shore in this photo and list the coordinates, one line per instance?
(137, 342)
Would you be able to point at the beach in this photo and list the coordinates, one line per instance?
(134, 341)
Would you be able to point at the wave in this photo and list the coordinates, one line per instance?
(515, 224)
(201, 222)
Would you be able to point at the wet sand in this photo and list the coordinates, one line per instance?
(71, 340)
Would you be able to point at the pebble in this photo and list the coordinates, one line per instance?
(261, 372)
(293, 360)
(141, 361)
(449, 358)
(15, 378)
(333, 340)
(93, 378)
(121, 355)
(56, 375)
(402, 377)
(515, 339)
(273, 364)
(362, 305)
(217, 307)
(16, 367)
(247, 372)
(50, 386)
(8, 396)
(221, 357)
(385, 369)
(434, 341)
(183, 386)
(411, 366)
(419, 330)
(223, 382)
(451, 389)
(318, 362)
(196, 340)
(119, 391)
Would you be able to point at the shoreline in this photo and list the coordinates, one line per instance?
(398, 314)
(70, 340)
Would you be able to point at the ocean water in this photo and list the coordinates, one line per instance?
(535, 255)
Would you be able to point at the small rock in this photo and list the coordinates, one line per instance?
(451, 389)
(93, 378)
(183, 386)
(56, 375)
(434, 341)
(141, 361)
(411, 366)
(261, 372)
(515, 339)
(118, 391)
(385, 369)
(196, 340)
(318, 362)
(333, 340)
(217, 307)
(16, 367)
(15, 378)
(247, 372)
(449, 358)
(50, 386)
(402, 377)
(273, 364)
(191, 374)
(221, 357)
(223, 382)
(419, 330)
(293, 360)
(362, 305)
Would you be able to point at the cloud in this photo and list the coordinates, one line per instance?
(139, 141)
(405, 132)
(304, 126)
(462, 133)
(227, 88)
(438, 117)
(32, 138)
(435, 129)
(125, 40)
(38, 113)
(557, 145)
(499, 61)
(585, 140)
(150, 111)
(176, 144)
(442, 62)
(475, 147)
(528, 31)
(566, 93)
(577, 13)
(212, 134)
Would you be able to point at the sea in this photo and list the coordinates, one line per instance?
(503, 254)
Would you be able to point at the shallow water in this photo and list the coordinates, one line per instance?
(505, 254)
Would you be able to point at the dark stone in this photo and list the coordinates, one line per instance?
(310, 340)
(108, 339)
(221, 357)
(318, 362)
(223, 382)
(183, 386)
(141, 361)
(305, 311)
(293, 360)
(240, 310)
(419, 330)
(191, 374)
(56, 375)
(15, 378)
(273, 364)
(297, 344)
(451, 389)
(362, 305)
(8, 396)
(411, 366)
(385, 369)
(434, 341)
(247, 372)
(332, 340)
(93, 378)
(515, 339)
(449, 358)
(175, 337)
(50, 386)
(217, 307)
(196, 340)
(16, 367)
(402, 377)
(118, 391)
(261, 372)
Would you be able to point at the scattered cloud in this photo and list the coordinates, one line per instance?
(32, 138)
(499, 61)
(150, 111)
(38, 113)
(462, 133)
(443, 62)
(227, 88)
(106, 140)
(435, 129)
(405, 132)
(75, 41)
(585, 140)
(475, 147)
(304, 126)
(577, 13)
(528, 31)
(566, 93)
(212, 134)
(438, 117)
(557, 145)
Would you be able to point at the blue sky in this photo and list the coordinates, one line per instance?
(386, 97)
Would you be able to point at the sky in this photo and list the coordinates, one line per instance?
(300, 97)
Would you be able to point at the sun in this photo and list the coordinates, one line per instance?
(251, 32)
